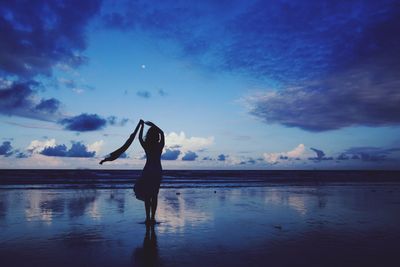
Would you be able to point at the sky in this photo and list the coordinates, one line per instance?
(233, 84)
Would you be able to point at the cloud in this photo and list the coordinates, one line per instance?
(21, 155)
(320, 155)
(170, 154)
(161, 92)
(72, 85)
(36, 37)
(69, 83)
(84, 122)
(96, 146)
(187, 143)
(222, 157)
(190, 156)
(6, 149)
(298, 152)
(355, 98)
(23, 29)
(371, 154)
(114, 121)
(326, 82)
(249, 161)
(56, 151)
(332, 64)
(343, 156)
(36, 146)
(49, 105)
(20, 99)
(77, 149)
(144, 94)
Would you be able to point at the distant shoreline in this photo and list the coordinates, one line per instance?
(68, 178)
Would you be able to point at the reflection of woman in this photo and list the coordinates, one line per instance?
(147, 255)
(148, 185)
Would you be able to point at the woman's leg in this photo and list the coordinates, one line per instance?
(153, 207)
(147, 205)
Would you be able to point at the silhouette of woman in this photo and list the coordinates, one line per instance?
(148, 185)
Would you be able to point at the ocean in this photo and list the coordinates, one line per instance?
(204, 218)
(186, 178)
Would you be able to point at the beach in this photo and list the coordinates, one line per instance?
(355, 224)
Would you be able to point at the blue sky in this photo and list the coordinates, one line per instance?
(233, 84)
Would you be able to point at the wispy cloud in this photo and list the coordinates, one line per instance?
(20, 99)
(144, 94)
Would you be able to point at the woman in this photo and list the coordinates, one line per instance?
(148, 185)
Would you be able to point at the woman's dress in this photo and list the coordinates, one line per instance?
(148, 184)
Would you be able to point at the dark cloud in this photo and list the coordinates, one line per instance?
(144, 94)
(56, 151)
(207, 158)
(77, 149)
(84, 122)
(222, 157)
(343, 72)
(320, 155)
(360, 97)
(19, 99)
(37, 36)
(370, 154)
(49, 105)
(170, 154)
(189, 156)
(6, 149)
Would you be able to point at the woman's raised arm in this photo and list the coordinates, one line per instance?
(141, 122)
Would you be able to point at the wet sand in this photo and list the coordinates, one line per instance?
(328, 225)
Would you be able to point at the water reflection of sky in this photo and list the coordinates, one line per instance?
(104, 227)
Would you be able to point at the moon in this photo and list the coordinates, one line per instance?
(143, 66)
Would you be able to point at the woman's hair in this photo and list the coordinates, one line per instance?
(152, 136)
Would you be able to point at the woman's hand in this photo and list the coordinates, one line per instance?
(141, 121)
(149, 123)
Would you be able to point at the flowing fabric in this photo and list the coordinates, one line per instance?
(117, 153)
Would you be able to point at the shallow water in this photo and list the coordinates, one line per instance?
(329, 225)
